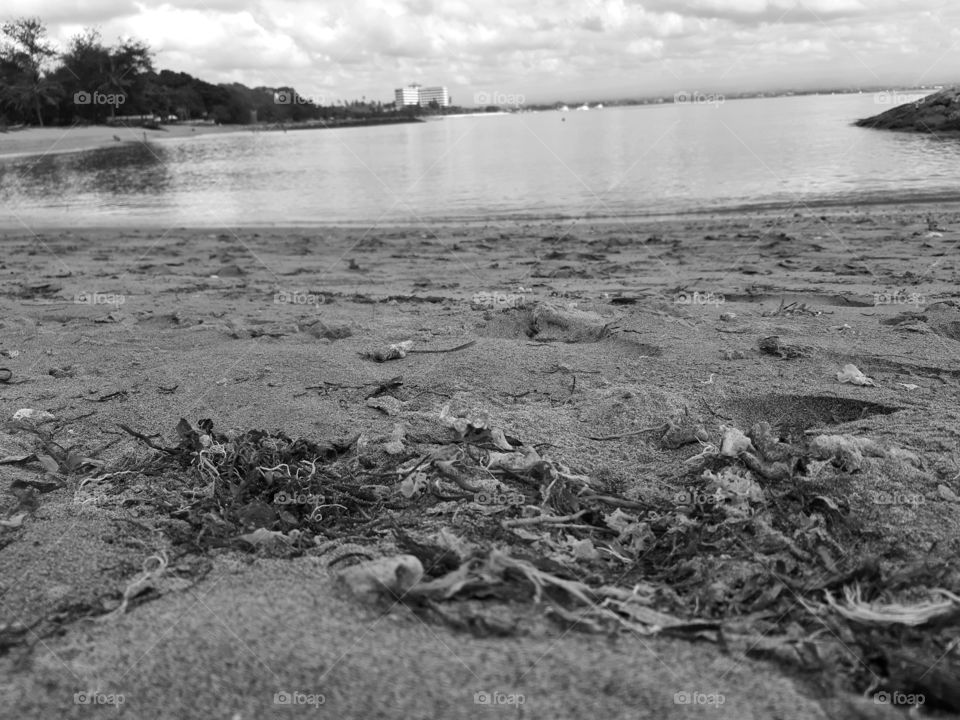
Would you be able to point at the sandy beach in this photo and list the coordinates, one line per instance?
(43, 141)
(584, 337)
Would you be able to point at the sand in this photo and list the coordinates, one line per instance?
(43, 141)
(199, 334)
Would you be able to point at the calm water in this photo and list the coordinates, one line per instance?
(615, 161)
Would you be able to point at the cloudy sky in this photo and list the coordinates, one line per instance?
(543, 50)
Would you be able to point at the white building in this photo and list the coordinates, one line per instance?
(409, 95)
(436, 94)
(423, 96)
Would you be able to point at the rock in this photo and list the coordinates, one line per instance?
(384, 576)
(937, 113)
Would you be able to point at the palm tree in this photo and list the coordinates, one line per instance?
(25, 86)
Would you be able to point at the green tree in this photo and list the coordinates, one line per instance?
(24, 85)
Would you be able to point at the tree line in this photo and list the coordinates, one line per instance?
(90, 82)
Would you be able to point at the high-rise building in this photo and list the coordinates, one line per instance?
(409, 95)
(436, 94)
(423, 96)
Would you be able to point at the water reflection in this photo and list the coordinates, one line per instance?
(616, 162)
(123, 170)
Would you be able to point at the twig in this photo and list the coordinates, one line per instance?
(145, 439)
(454, 349)
(641, 431)
(543, 520)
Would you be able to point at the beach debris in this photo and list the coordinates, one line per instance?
(734, 442)
(852, 374)
(323, 330)
(550, 321)
(5, 375)
(413, 484)
(772, 345)
(397, 351)
(31, 415)
(14, 521)
(679, 434)
(732, 488)
(153, 570)
(947, 493)
(943, 605)
(793, 308)
(10, 353)
(401, 350)
(728, 316)
(733, 355)
(845, 451)
(517, 461)
(391, 576)
(908, 386)
(264, 537)
(394, 446)
(387, 404)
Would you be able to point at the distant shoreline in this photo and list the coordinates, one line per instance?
(56, 140)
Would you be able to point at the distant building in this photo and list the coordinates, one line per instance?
(436, 94)
(423, 96)
(409, 95)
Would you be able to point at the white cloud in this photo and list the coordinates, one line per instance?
(542, 48)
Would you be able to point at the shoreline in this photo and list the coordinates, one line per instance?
(27, 142)
(35, 141)
(831, 209)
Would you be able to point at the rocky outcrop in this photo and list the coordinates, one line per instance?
(936, 113)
